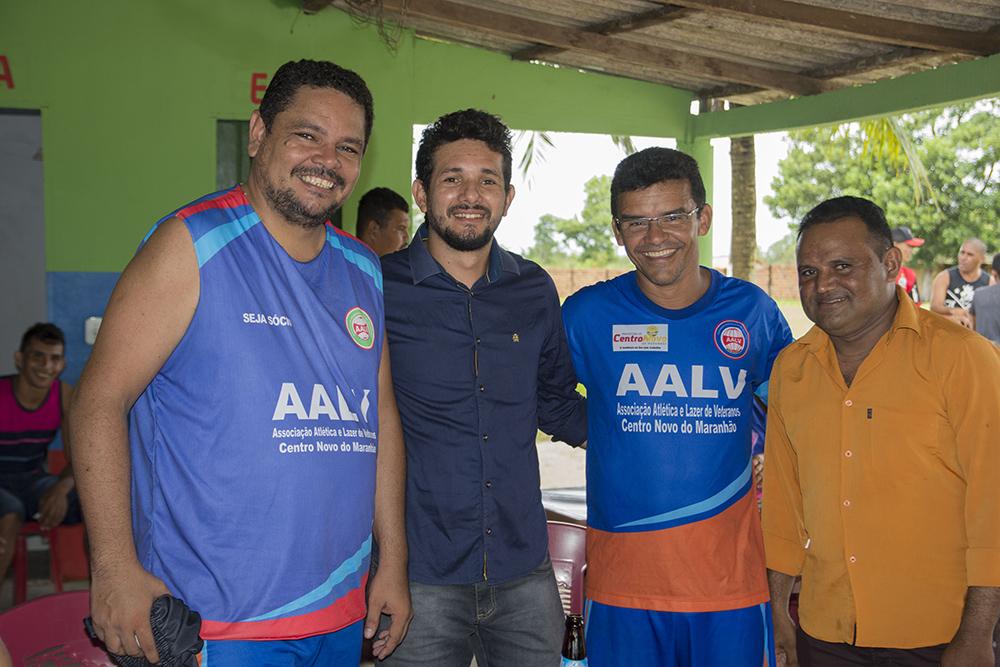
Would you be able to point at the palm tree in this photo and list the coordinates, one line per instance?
(743, 245)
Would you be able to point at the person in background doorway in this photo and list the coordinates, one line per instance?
(383, 221)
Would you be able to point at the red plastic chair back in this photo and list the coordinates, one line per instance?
(568, 552)
(49, 631)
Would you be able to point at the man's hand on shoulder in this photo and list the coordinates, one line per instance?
(120, 600)
(54, 503)
(389, 594)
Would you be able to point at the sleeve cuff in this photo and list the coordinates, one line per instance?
(783, 555)
(574, 430)
(983, 567)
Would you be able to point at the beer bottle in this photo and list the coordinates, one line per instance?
(574, 651)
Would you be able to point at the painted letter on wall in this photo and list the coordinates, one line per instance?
(258, 84)
(5, 75)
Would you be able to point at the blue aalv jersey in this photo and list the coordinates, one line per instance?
(673, 524)
(253, 448)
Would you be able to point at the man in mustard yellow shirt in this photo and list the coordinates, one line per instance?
(882, 475)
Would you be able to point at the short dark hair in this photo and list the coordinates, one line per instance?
(996, 263)
(654, 165)
(44, 332)
(318, 74)
(870, 213)
(467, 124)
(376, 205)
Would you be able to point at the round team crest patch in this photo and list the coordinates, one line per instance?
(732, 338)
(359, 326)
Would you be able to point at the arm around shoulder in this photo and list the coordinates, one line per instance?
(149, 310)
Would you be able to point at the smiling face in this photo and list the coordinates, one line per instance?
(466, 197)
(845, 287)
(39, 363)
(307, 163)
(666, 261)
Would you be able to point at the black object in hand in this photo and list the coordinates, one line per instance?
(175, 632)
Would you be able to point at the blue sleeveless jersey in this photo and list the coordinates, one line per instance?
(673, 525)
(253, 448)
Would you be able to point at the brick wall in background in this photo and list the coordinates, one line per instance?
(570, 280)
(781, 281)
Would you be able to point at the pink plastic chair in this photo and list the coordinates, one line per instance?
(49, 631)
(568, 552)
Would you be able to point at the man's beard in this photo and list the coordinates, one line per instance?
(466, 242)
(292, 209)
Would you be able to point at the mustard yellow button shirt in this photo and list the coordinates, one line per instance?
(885, 495)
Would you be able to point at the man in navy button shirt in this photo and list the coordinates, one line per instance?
(480, 362)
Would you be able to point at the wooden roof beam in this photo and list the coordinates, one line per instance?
(856, 26)
(523, 29)
(895, 57)
(626, 23)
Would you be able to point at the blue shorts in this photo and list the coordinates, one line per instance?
(342, 647)
(20, 495)
(735, 638)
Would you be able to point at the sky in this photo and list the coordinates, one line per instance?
(555, 185)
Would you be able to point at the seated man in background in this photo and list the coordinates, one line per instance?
(383, 221)
(32, 403)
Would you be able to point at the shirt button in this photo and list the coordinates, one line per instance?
(478, 340)
(848, 402)
(847, 503)
(489, 531)
(482, 387)
(853, 559)
(848, 453)
(489, 484)
(485, 437)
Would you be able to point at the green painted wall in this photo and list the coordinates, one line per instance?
(130, 91)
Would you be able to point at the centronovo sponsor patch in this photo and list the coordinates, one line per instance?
(639, 337)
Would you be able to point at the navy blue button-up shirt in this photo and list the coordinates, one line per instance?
(476, 373)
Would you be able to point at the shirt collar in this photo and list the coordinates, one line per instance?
(906, 318)
(423, 265)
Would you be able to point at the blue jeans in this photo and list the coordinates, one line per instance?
(519, 622)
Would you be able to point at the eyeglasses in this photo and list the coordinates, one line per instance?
(665, 222)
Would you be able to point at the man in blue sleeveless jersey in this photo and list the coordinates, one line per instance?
(242, 370)
(479, 364)
(671, 355)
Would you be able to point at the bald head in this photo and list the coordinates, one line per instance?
(971, 256)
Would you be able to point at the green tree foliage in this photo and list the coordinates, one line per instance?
(781, 251)
(960, 148)
(583, 240)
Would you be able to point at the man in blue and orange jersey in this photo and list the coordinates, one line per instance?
(242, 370)
(671, 355)
(32, 404)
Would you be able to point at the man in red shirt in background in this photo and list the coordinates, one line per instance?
(903, 239)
